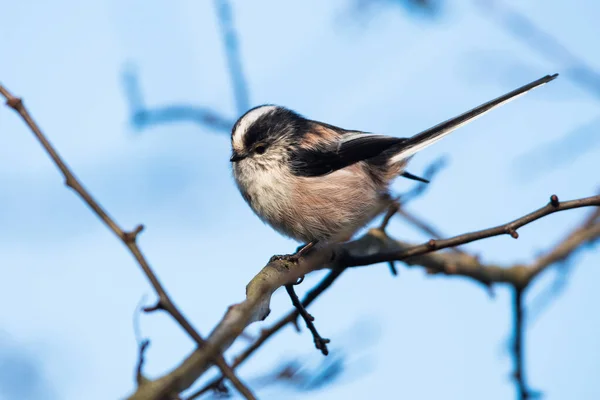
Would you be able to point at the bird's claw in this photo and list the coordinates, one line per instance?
(293, 258)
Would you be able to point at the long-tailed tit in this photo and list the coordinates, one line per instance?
(315, 182)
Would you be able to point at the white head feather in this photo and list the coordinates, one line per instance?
(245, 122)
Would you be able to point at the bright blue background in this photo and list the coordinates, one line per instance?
(68, 288)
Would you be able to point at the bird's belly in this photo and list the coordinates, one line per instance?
(333, 213)
(326, 208)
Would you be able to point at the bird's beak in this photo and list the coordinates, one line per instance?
(235, 157)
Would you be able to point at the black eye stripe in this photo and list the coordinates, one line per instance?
(274, 124)
(257, 132)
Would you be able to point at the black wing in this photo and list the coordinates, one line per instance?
(352, 148)
(358, 146)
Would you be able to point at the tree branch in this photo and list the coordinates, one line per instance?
(141, 116)
(267, 333)
(506, 229)
(519, 371)
(320, 342)
(371, 248)
(129, 239)
(587, 232)
(447, 263)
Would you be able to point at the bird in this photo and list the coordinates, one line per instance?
(318, 183)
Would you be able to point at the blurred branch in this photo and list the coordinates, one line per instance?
(420, 224)
(588, 232)
(297, 375)
(423, 8)
(424, 226)
(142, 343)
(581, 140)
(519, 372)
(140, 379)
(526, 31)
(143, 117)
(371, 248)
(560, 255)
(129, 239)
(398, 207)
(559, 153)
(431, 171)
(232, 52)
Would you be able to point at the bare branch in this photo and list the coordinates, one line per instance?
(519, 373)
(139, 373)
(181, 113)
(393, 209)
(129, 239)
(142, 116)
(523, 391)
(447, 263)
(320, 343)
(588, 232)
(509, 228)
(267, 333)
(371, 248)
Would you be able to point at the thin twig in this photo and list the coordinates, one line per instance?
(424, 226)
(506, 229)
(567, 246)
(587, 232)
(420, 224)
(142, 116)
(142, 343)
(393, 209)
(139, 373)
(432, 170)
(519, 370)
(320, 342)
(129, 238)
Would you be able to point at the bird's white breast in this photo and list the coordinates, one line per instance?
(267, 190)
(329, 207)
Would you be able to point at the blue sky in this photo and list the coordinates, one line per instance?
(69, 288)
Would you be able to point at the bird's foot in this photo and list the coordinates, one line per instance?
(293, 258)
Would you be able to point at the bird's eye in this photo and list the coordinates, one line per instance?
(260, 149)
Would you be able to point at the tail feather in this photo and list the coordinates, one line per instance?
(432, 135)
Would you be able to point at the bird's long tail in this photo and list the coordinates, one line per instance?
(432, 135)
